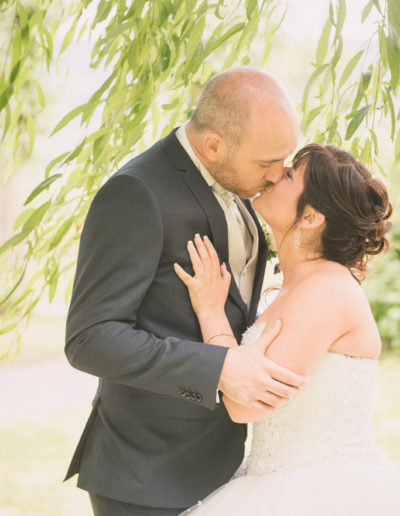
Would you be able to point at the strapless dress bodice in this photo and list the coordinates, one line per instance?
(328, 421)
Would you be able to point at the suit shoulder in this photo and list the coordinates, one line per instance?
(151, 165)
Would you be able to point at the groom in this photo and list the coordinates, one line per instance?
(158, 440)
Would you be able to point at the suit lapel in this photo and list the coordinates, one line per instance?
(261, 263)
(210, 205)
(217, 222)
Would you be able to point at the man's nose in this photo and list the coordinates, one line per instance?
(277, 172)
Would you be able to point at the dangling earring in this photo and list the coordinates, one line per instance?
(297, 236)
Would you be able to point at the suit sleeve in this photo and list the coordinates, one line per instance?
(120, 249)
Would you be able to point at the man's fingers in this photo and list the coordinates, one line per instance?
(285, 376)
(182, 274)
(268, 398)
(281, 389)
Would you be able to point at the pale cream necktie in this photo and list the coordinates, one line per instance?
(233, 209)
(237, 232)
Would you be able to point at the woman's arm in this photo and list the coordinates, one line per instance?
(208, 290)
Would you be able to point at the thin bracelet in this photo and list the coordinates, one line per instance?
(222, 335)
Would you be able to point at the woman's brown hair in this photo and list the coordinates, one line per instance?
(356, 205)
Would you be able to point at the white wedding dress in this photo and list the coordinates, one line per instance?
(315, 456)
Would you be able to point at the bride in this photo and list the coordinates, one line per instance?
(315, 455)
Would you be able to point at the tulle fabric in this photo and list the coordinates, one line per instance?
(346, 488)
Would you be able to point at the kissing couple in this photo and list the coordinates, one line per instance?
(164, 311)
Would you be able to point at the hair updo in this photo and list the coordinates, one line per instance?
(356, 205)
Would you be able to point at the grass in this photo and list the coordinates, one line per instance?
(35, 451)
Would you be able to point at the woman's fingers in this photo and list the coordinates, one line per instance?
(182, 274)
(204, 257)
(195, 258)
(211, 252)
(226, 275)
(202, 250)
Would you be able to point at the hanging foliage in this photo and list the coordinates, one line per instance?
(344, 103)
(157, 55)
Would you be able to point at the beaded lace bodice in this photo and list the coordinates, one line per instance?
(328, 421)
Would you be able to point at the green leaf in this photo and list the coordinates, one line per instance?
(42, 186)
(338, 51)
(341, 15)
(349, 68)
(355, 122)
(171, 105)
(355, 147)
(375, 141)
(366, 152)
(393, 52)
(310, 116)
(61, 232)
(49, 41)
(228, 34)
(376, 4)
(397, 147)
(42, 100)
(392, 112)
(323, 42)
(393, 14)
(67, 38)
(358, 97)
(366, 79)
(366, 11)
(195, 38)
(9, 327)
(6, 121)
(103, 9)
(22, 217)
(14, 240)
(37, 216)
(75, 152)
(316, 73)
(31, 132)
(68, 117)
(250, 7)
(23, 17)
(54, 162)
(332, 14)
(16, 49)
(5, 96)
(15, 71)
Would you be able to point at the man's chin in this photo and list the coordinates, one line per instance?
(248, 194)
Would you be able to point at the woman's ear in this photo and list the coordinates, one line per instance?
(312, 218)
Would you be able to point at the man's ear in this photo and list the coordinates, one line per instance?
(312, 218)
(214, 146)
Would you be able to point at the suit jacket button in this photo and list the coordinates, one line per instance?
(181, 391)
(199, 397)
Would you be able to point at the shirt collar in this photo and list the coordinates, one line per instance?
(184, 141)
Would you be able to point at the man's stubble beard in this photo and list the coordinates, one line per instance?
(227, 176)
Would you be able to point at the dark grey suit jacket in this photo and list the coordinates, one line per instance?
(155, 436)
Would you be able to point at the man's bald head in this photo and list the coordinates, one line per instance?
(230, 97)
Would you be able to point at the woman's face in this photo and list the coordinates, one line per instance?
(277, 204)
